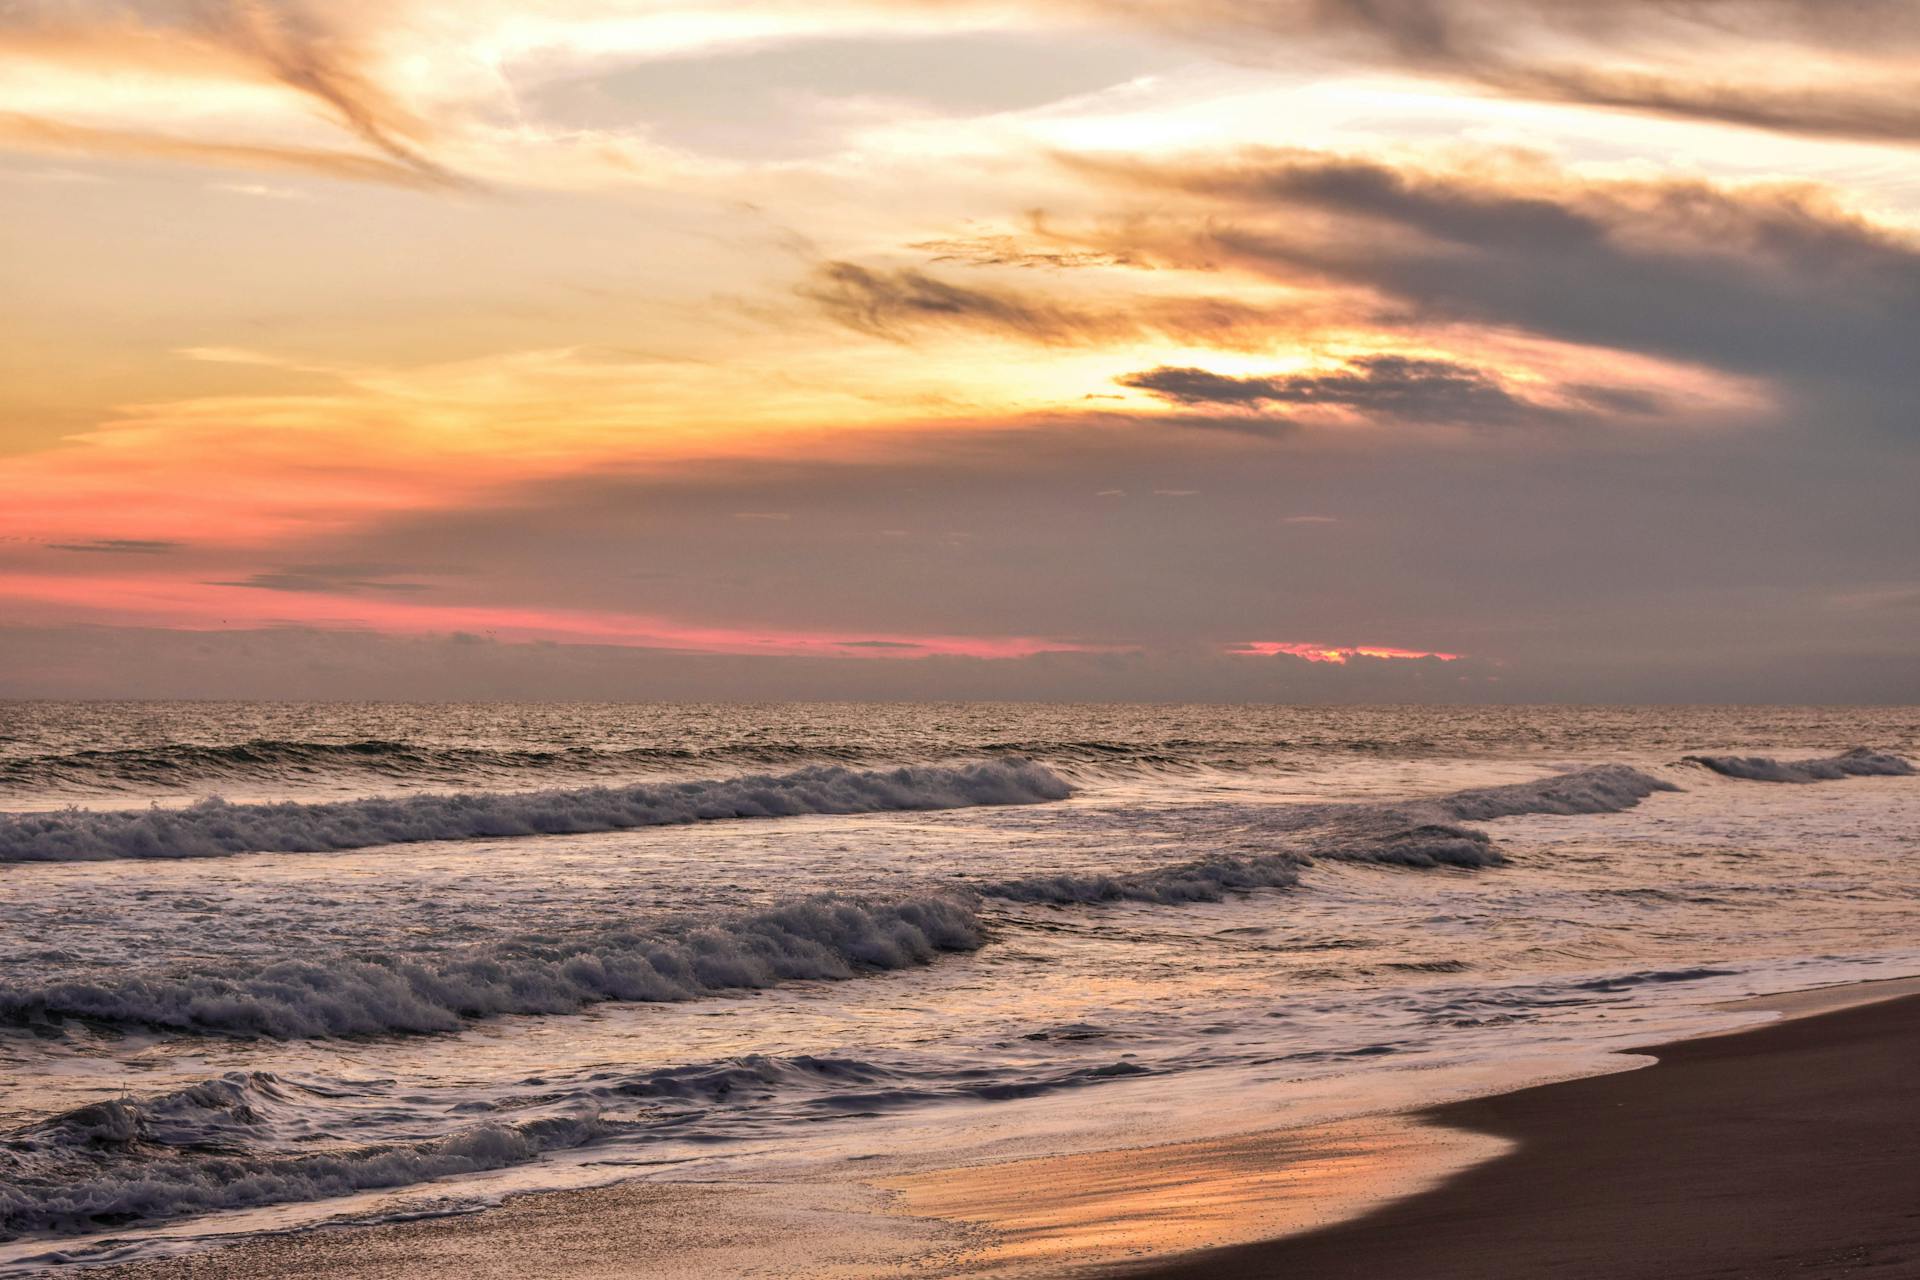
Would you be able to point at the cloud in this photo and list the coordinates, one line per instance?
(304, 46)
(1010, 251)
(1338, 655)
(327, 579)
(1390, 386)
(896, 304)
(1777, 280)
(1812, 67)
(1589, 566)
(319, 51)
(19, 129)
(121, 546)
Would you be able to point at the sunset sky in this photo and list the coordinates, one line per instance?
(1216, 349)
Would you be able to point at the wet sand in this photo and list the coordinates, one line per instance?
(1071, 1214)
(1790, 1150)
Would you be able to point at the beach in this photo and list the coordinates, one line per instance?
(1783, 1150)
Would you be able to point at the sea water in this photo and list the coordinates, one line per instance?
(266, 965)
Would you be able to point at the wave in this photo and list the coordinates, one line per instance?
(214, 828)
(829, 936)
(188, 1152)
(1605, 788)
(1424, 834)
(1411, 834)
(1207, 879)
(187, 764)
(1861, 762)
(826, 937)
(1423, 845)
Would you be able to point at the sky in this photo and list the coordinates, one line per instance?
(1299, 350)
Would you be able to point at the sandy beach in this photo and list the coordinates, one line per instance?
(1784, 1150)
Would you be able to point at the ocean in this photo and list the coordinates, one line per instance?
(267, 966)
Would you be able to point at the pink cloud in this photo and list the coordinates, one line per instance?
(211, 606)
(1336, 654)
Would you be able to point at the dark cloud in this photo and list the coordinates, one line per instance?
(1688, 59)
(896, 304)
(120, 546)
(327, 579)
(1395, 387)
(1778, 280)
(1605, 560)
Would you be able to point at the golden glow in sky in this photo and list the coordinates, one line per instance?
(988, 331)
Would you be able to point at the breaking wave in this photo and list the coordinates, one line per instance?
(1861, 762)
(1413, 834)
(1605, 788)
(1206, 879)
(1423, 833)
(214, 828)
(825, 937)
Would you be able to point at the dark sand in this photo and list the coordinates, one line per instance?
(1791, 1150)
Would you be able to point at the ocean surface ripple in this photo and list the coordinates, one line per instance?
(523, 945)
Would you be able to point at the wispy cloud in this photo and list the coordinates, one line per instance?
(316, 51)
(1795, 66)
(327, 579)
(898, 303)
(120, 546)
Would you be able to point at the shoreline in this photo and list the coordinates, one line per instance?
(1783, 1149)
(1381, 1194)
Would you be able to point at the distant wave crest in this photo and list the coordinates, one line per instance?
(1861, 762)
(214, 828)
(1418, 834)
(189, 764)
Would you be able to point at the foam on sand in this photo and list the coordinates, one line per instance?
(194, 1151)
